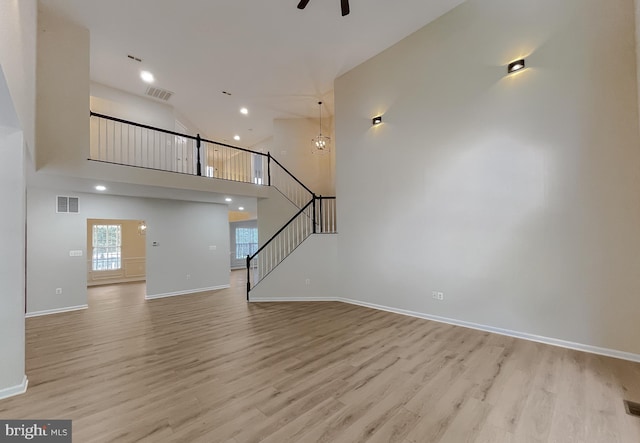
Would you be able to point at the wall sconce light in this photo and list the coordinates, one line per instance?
(376, 120)
(516, 66)
(142, 228)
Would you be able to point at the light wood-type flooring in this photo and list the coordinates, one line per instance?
(211, 368)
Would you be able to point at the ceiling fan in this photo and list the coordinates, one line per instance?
(343, 3)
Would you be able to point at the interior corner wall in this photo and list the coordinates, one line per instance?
(516, 196)
(12, 195)
(62, 105)
(192, 251)
(18, 25)
(133, 252)
(292, 147)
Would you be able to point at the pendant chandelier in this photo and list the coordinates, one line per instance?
(321, 143)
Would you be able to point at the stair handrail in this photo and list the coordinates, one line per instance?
(291, 175)
(316, 220)
(317, 226)
(272, 239)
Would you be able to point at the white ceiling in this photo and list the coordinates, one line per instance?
(275, 59)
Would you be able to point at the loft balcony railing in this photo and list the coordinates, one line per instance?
(123, 142)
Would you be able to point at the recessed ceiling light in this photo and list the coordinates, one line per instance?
(146, 76)
(228, 199)
(101, 188)
(240, 208)
(244, 111)
(236, 137)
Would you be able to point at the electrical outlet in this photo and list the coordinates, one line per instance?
(212, 247)
(188, 276)
(58, 291)
(437, 295)
(307, 282)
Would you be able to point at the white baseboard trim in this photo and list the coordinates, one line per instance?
(186, 292)
(523, 335)
(55, 311)
(116, 281)
(15, 390)
(286, 299)
(515, 334)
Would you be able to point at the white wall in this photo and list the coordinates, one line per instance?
(126, 106)
(193, 247)
(516, 196)
(12, 196)
(184, 232)
(120, 104)
(314, 260)
(17, 143)
(18, 60)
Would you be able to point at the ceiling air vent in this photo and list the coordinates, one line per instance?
(67, 205)
(161, 94)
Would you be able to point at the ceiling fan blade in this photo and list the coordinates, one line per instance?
(345, 7)
(303, 4)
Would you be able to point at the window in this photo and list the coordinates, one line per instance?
(246, 242)
(106, 247)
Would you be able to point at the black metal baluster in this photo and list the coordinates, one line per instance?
(198, 165)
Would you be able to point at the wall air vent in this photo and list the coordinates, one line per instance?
(67, 205)
(158, 93)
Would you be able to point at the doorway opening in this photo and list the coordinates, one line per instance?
(243, 241)
(116, 251)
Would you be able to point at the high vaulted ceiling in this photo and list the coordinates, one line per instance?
(276, 60)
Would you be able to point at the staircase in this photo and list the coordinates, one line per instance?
(123, 142)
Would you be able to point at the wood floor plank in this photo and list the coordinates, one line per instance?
(209, 367)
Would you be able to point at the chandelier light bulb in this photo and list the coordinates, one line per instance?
(321, 142)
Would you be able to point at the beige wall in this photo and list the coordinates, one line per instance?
(517, 196)
(293, 148)
(235, 216)
(133, 254)
(63, 92)
(18, 24)
(273, 213)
